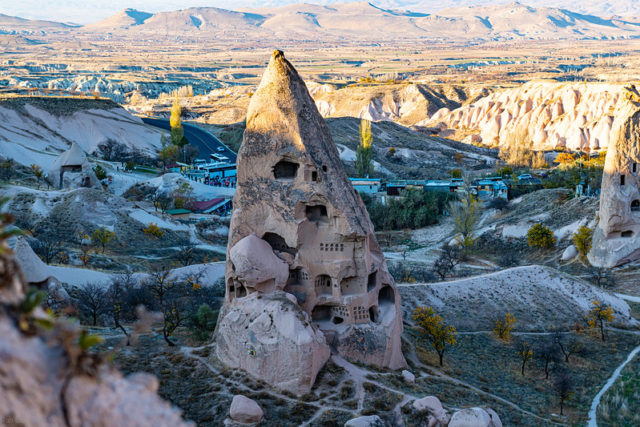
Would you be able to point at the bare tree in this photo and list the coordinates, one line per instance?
(91, 301)
(186, 254)
(569, 345)
(523, 348)
(117, 298)
(563, 386)
(547, 352)
(166, 291)
(449, 258)
(47, 247)
(601, 277)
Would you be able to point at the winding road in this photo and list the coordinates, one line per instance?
(206, 142)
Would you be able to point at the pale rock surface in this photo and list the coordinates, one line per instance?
(555, 115)
(294, 195)
(245, 410)
(72, 170)
(495, 418)
(35, 270)
(272, 339)
(616, 239)
(408, 377)
(471, 417)
(570, 253)
(438, 416)
(35, 367)
(366, 421)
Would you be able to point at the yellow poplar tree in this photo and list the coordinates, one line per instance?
(439, 334)
(364, 152)
(177, 132)
(599, 314)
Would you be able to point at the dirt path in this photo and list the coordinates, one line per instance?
(593, 422)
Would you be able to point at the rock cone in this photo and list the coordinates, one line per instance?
(293, 194)
(616, 239)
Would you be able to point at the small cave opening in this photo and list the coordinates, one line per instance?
(241, 291)
(386, 295)
(314, 176)
(285, 170)
(622, 179)
(634, 168)
(626, 234)
(371, 281)
(323, 285)
(294, 277)
(635, 206)
(316, 213)
(337, 320)
(321, 313)
(278, 243)
(373, 313)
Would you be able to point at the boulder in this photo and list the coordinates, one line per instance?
(570, 253)
(272, 339)
(495, 418)
(431, 404)
(256, 266)
(367, 421)
(408, 377)
(471, 417)
(244, 410)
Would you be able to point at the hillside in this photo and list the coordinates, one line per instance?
(37, 129)
(350, 22)
(548, 114)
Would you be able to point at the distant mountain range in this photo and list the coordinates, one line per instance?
(348, 22)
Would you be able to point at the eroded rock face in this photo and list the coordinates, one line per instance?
(293, 194)
(616, 239)
(244, 410)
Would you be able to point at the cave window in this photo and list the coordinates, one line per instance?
(371, 281)
(386, 295)
(635, 206)
(373, 313)
(314, 176)
(634, 168)
(285, 170)
(627, 233)
(316, 213)
(337, 320)
(324, 168)
(277, 243)
(323, 285)
(621, 179)
(321, 313)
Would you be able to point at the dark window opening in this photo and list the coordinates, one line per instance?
(241, 291)
(635, 206)
(627, 233)
(316, 213)
(314, 176)
(634, 168)
(285, 170)
(294, 277)
(386, 295)
(321, 313)
(371, 281)
(278, 243)
(373, 313)
(621, 179)
(324, 168)
(337, 320)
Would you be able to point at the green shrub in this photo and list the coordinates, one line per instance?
(540, 236)
(202, 323)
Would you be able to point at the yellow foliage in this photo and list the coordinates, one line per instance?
(599, 314)
(153, 230)
(565, 158)
(503, 327)
(176, 112)
(582, 240)
(439, 334)
(366, 139)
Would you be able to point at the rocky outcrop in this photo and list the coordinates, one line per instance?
(72, 170)
(244, 410)
(295, 207)
(46, 378)
(475, 417)
(616, 239)
(549, 115)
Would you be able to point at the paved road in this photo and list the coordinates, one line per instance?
(206, 142)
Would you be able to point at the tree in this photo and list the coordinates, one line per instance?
(599, 314)
(152, 230)
(203, 322)
(102, 236)
(439, 334)
(465, 213)
(525, 353)
(100, 172)
(541, 237)
(168, 152)
(503, 327)
(364, 152)
(547, 353)
(117, 299)
(91, 301)
(177, 132)
(582, 240)
(167, 292)
(47, 246)
(7, 168)
(186, 254)
(563, 386)
(602, 277)
(85, 248)
(449, 258)
(568, 345)
(162, 201)
(37, 172)
(565, 159)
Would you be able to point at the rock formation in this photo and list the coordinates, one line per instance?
(616, 239)
(304, 270)
(550, 115)
(72, 170)
(46, 379)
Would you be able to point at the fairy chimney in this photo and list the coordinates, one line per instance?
(616, 239)
(300, 233)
